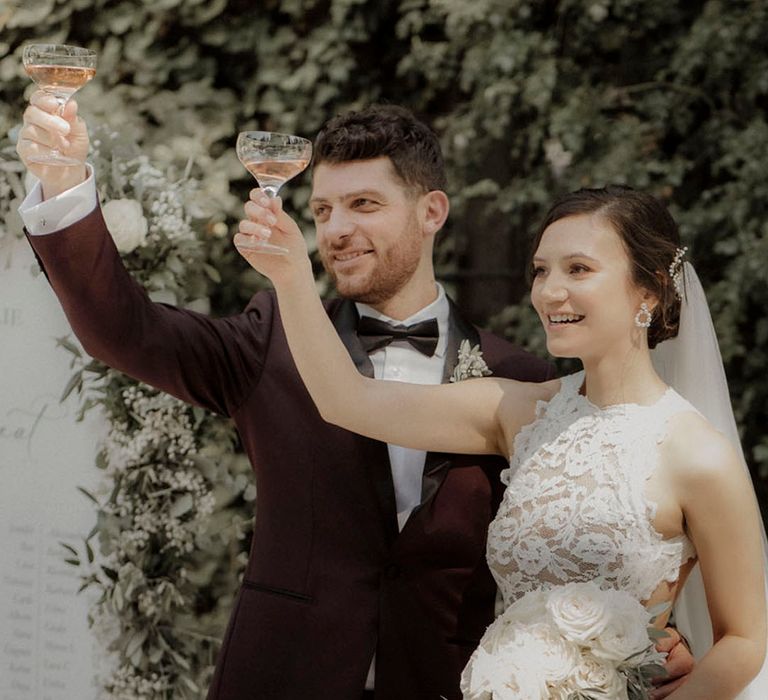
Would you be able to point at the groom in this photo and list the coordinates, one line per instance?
(367, 576)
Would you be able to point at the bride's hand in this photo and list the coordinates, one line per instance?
(266, 222)
(679, 664)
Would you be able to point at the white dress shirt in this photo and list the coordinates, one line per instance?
(43, 217)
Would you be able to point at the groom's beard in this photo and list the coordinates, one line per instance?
(384, 274)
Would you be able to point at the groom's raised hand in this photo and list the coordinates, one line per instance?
(679, 664)
(45, 130)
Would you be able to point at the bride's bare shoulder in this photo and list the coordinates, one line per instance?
(696, 452)
(520, 400)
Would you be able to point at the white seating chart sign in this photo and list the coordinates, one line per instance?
(47, 651)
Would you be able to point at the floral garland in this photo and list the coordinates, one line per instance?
(174, 506)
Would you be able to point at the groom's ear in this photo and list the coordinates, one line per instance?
(434, 208)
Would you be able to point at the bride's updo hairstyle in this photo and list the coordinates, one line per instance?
(650, 236)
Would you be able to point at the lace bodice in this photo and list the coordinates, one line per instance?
(574, 508)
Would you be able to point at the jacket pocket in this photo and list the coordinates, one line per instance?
(282, 592)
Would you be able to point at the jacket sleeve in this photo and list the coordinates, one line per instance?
(208, 362)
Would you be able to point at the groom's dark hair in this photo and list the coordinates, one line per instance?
(385, 130)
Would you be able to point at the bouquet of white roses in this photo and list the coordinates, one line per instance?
(572, 642)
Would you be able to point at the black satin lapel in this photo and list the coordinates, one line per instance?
(344, 319)
(437, 464)
(381, 473)
(458, 329)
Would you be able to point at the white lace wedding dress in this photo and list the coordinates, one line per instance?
(575, 507)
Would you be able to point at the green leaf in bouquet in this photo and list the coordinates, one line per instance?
(659, 609)
(656, 633)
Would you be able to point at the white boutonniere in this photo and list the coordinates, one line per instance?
(470, 364)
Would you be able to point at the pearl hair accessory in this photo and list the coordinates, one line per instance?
(676, 271)
(643, 317)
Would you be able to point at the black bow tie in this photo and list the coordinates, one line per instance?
(375, 334)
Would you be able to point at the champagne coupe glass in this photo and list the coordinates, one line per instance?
(273, 159)
(59, 70)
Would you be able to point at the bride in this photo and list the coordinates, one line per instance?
(614, 476)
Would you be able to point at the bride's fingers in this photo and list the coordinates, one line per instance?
(244, 243)
(260, 214)
(252, 228)
(271, 204)
(667, 643)
(666, 690)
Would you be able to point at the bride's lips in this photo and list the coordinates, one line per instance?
(560, 321)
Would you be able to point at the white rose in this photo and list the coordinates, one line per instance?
(626, 633)
(483, 671)
(543, 651)
(579, 611)
(126, 222)
(529, 609)
(516, 674)
(519, 664)
(597, 675)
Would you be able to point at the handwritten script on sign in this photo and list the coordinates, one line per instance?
(47, 651)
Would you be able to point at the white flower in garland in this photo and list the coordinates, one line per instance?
(126, 223)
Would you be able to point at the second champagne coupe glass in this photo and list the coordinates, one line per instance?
(273, 159)
(59, 70)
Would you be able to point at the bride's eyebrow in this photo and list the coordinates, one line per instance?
(583, 256)
(570, 256)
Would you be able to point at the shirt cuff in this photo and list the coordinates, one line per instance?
(44, 217)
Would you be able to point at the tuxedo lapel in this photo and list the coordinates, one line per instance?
(436, 464)
(344, 318)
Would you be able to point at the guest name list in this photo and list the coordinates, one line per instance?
(47, 651)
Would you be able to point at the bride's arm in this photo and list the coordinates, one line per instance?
(723, 520)
(476, 417)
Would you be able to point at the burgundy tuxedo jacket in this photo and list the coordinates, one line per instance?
(329, 580)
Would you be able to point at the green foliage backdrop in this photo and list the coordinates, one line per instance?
(529, 99)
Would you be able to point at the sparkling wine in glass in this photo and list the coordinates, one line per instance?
(273, 159)
(59, 70)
